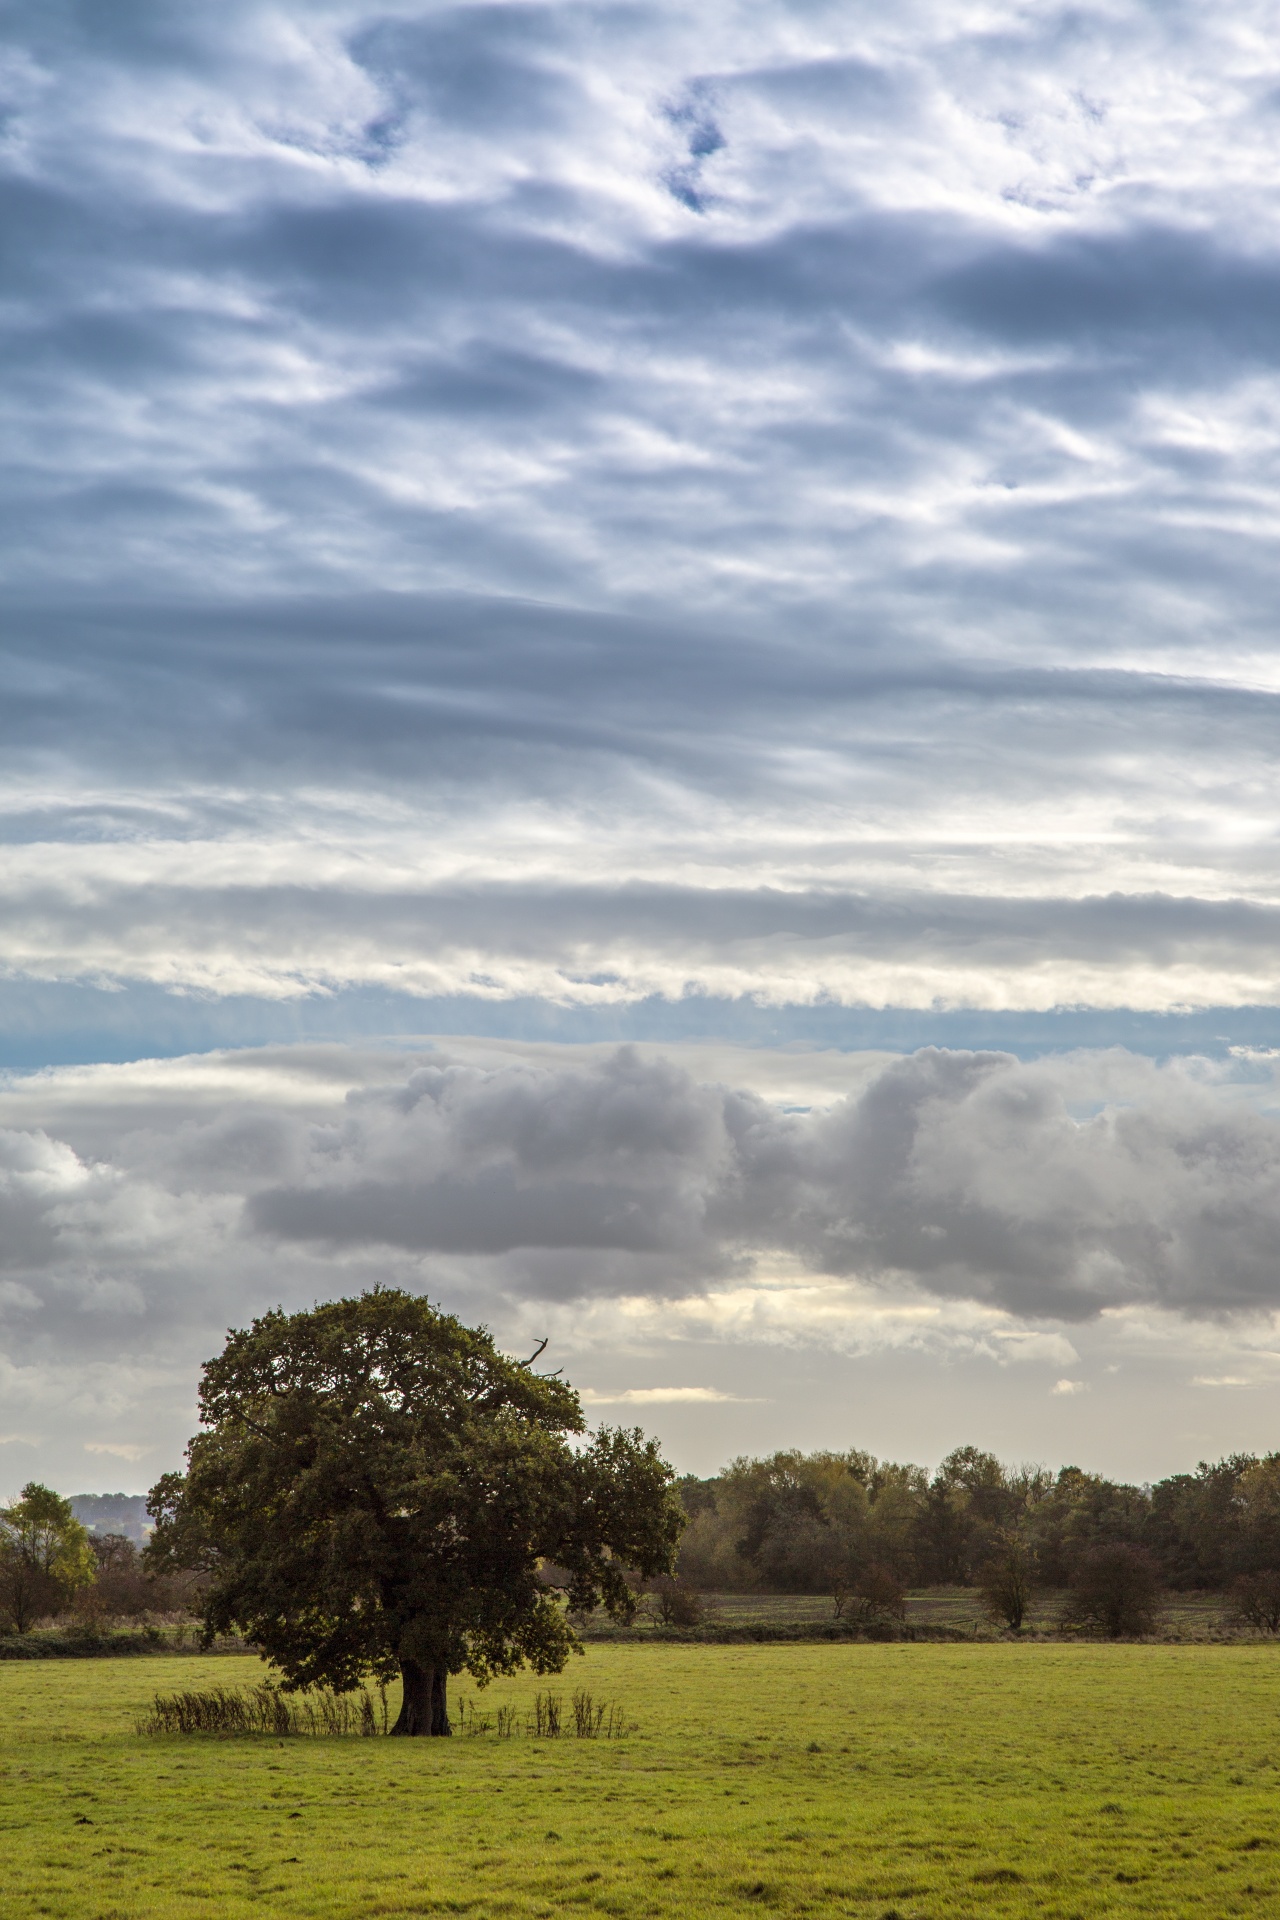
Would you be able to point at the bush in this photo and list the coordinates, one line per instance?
(672, 1602)
(1115, 1591)
(872, 1599)
(1005, 1582)
(1255, 1599)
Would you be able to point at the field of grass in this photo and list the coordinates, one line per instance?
(959, 1610)
(872, 1780)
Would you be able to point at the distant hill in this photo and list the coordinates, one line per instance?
(113, 1513)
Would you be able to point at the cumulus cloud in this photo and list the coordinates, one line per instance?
(963, 1208)
(1048, 1191)
(967, 1174)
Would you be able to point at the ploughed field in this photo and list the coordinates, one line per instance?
(895, 1779)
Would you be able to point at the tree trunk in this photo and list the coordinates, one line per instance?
(423, 1709)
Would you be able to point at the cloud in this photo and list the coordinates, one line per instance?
(688, 526)
(123, 1449)
(968, 1174)
(572, 506)
(950, 1210)
(660, 1397)
(1069, 1387)
(1051, 1190)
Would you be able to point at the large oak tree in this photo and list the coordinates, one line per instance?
(374, 1490)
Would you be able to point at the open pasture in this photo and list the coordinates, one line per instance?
(869, 1780)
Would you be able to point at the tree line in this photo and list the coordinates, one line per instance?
(51, 1565)
(856, 1527)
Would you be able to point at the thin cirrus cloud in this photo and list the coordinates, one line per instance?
(660, 1397)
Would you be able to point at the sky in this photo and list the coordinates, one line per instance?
(639, 690)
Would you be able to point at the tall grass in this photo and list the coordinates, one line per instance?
(587, 1718)
(264, 1709)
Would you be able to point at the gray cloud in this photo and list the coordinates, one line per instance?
(544, 516)
(1049, 1191)
(780, 508)
(967, 1174)
(967, 1208)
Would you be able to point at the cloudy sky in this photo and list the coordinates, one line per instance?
(639, 688)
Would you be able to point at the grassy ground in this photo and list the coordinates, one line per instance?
(957, 1610)
(904, 1780)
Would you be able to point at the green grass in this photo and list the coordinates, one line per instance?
(914, 1780)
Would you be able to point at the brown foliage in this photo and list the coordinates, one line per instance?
(875, 1597)
(1005, 1581)
(1115, 1591)
(27, 1594)
(1255, 1599)
(673, 1602)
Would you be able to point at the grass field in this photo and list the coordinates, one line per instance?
(907, 1780)
(1184, 1616)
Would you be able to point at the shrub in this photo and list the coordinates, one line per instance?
(1115, 1591)
(1255, 1599)
(1005, 1581)
(674, 1603)
(873, 1599)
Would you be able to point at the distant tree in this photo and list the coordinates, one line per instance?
(1115, 1591)
(876, 1600)
(1255, 1536)
(675, 1602)
(121, 1514)
(779, 1508)
(45, 1556)
(1079, 1511)
(1006, 1578)
(375, 1488)
(125, 1588)
(1255, 1600)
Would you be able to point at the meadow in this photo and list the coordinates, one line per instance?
(918, 1781)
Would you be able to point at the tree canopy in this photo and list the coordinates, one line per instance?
(45, 1555)
(823, 1522)
(375, 1488)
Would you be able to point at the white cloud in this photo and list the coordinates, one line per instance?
(420, 421)
(123, 1449)
(667, 520)
(660, 1397)
(1069, 1387)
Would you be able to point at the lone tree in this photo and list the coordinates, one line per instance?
(375, 1487)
